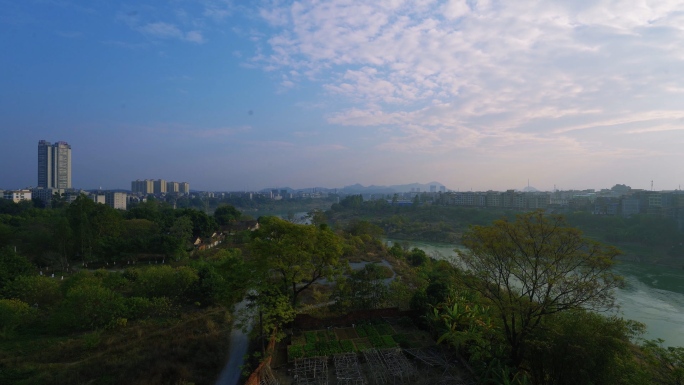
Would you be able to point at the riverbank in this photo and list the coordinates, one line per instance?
(653, 294)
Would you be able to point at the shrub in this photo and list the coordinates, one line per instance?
(164, 281)
(295, 351)
(347, 346)
(143, 308)
(89, 307)
(35, 289)
(310, 337)
(14, 314)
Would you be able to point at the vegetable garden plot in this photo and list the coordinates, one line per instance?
(311, 371)
(347, 369)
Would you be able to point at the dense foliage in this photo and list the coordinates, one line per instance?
(145, 291)
(536, 266)
(649, 238)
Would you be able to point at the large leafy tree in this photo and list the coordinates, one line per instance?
(298, 255)
(536, 266)
(363, 289)
(12, 265)
(225, 214)
(202, 224)
(93, 226)
(584, 347)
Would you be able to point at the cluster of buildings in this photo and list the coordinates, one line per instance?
(54, 182)
(619, 200)
(159, 187)
(54, 175)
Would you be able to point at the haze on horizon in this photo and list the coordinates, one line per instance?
(230, 95)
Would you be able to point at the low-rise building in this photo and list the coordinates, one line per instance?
(630, 206)
(17, 196)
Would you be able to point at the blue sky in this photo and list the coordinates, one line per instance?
(235, 95)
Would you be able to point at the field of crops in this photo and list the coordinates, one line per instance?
(328, 342)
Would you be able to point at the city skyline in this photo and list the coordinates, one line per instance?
(479, 95)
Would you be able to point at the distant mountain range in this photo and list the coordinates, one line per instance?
(373, 189)
(401, 188)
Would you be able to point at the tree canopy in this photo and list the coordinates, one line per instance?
(224, 214)
(536, 266)
(299, 254)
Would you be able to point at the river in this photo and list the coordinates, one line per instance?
(653, 295)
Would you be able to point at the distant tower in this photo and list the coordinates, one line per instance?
(651, 185)
(54, 165)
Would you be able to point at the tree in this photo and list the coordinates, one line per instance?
(584, 347)
(317, 217)
(364, 289)
(13, 315)
(663, 365)
(89, 307)
(417, 257)
(225, 214)
(34, 290)
(360, 227)
(179, 236)
(93, 226)
(202, 224)
(537, 266)
(299, 254)
(274, 311)
(12, 266)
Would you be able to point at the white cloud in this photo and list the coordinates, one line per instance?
(452, 74)
(195, 37)
(161, 30)
(218, 10)
(453, 9)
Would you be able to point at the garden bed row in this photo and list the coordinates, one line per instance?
(348, 340)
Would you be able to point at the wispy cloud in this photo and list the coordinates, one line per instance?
(459, 73)
(162, 30)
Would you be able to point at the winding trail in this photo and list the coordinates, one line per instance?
(239, 343)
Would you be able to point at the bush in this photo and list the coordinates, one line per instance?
(164, 281)
(14, 314)
(347, 346)
(143, 308)
(295, 351)
(82, 278)
(35, 289)
(89, 307)
(13, 265)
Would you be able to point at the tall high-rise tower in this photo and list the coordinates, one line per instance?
(54, 165)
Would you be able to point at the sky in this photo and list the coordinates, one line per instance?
(244, 95)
